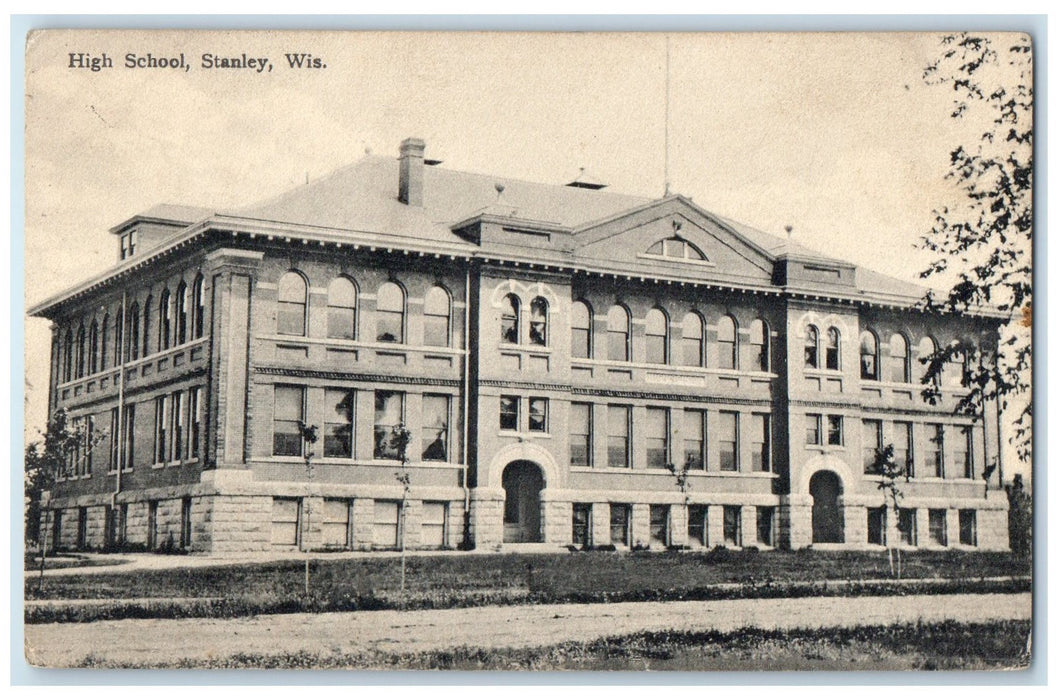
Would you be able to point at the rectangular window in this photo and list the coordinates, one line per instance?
(580, 434)
(906, 524)
(176, 421)
(334, 528)
(194, 412)
(161, 429)
(727, 437)
(287, 416)
(537, 414)
(185, 523)
(933, 462)
(152, 525)
(582, 525)
(339, 407)
(696, 525)
(387, 524)
(618, 428)
(389, 415)
(766, 525)
(938, 526)
(286, 513)
(962, 454)
(435, 413)
(115, 446)
(659, 526)
(732, 526)
(88, 449)
(129, 436)
(694, 439)
(656, 437)
(508, 413)
(902, 453)
(620, 518)
(835, 432)
(813, 429)
(968, 527)
(876, 526)
(872, 443)
(760, 439)
(434, 522)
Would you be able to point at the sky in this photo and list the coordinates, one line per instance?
(834, 135)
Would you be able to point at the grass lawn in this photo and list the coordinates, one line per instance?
(940, 646)
(459, 581)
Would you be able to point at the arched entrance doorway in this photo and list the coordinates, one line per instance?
(828, 520)
(522, 481)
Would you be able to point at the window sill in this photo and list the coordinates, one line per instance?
(526, 348)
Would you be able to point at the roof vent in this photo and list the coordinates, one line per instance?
(586, 182)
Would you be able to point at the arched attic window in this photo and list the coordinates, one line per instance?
(104, 342)
(580, 331)
(955, 368)
(145, 331)
(183, 302)
(677, 248)
(198, 307)
(927, 348)
(617, 335)
(67, 356)
(291, 304)
(79, 359)
(657, 337)
(389, 313)
(727, 343)
(165, 321)
(132, 335)
(341, 308)
(868, 355)
(437, 313)
(93, 347)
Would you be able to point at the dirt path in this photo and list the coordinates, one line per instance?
(152, 641)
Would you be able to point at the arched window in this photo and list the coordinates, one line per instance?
(93, 348)
(165, 321)
(104, 342)
(676, 248)
(727, 343)
(119, 345)
(341, 309)
(183, 301)
(436, 312)
(509, 319)
(833, 351)
(132, 341)
(657, 337)
(198, 306)
(898, 365)
(538, 321)
(79, 359)
(955, 368)
(580, 332)
(926, 350)
(759, 355)
(617, 346)
(693, 340)
(146, 330)
(291, 304)
(389, 314)
(67, 356)
(868, 355)
(812, 347)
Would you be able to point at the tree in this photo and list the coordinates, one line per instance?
(984, 236)
(1019, 517)
(46, 458)
(399, 440)
(309, 435)
(892, 472)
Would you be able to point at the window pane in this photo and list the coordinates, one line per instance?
(872, 442)
(538, 415)
(617, 334)
(389, 314)
(580, 434)
(617, 436)
(760, 439)
(693, 347)
(868, 356)
(389, 414)
(758, 340)
(508, 413)
(435, 318)
(656, 437)
(509, 319)
(286, 438)
(620, 515)
(659, 526)
(435, 411)
(341, 309)
(902, 445)
(538, 321)
(897, 359)
(694, 439)
(339, 405)
(291, 296)
(811, 347)
(833, 340)
(726, 338)
(834, 431)
(656, 337)
(813, 429)
(727, 434)
(733, 526)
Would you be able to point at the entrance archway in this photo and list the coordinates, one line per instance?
(522, 482)
(828, 520)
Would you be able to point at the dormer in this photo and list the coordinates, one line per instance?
(146, 231)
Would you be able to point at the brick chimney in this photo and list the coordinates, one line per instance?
(411, 167)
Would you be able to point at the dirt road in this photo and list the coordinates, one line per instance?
(126, 642)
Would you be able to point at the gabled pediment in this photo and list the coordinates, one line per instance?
(677, 237)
